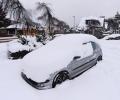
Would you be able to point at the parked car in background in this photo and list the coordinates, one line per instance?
(63, 58)
(112, 37)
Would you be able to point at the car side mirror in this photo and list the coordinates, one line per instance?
(76, 57)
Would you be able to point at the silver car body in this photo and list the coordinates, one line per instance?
(75, 67)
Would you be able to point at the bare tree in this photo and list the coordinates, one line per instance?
(46, 15)
(16, 11)
(63, 26)
(48, 18)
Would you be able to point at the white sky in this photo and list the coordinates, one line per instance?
(66, 9)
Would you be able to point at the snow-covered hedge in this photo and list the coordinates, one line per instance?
(20, 47)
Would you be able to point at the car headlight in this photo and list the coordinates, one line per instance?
(37, 85)
(44, 83)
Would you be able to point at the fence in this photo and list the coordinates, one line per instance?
(6, 39)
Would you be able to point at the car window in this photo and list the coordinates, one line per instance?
(94, 45)
(87, 49)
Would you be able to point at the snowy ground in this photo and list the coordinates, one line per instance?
(3, 51)
(102, 82)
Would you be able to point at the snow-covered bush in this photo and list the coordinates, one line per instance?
(20, 47)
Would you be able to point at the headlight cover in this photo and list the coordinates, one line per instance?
(37, 85)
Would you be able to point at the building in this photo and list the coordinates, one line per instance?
(20, 29)
(92, 25)
(113, 24)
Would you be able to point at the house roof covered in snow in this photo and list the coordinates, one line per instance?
(19, 26)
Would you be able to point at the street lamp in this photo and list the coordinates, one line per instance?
(103, 21)
(74, 22)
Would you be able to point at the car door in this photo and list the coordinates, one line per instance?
(81, 64)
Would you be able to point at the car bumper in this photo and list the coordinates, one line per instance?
(36, 85)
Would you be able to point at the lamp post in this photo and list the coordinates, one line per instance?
(74, 22)
(104, 21)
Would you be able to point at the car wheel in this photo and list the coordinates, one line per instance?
(99, 58)
(59, 78)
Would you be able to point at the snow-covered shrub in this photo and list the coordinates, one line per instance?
(20, 47)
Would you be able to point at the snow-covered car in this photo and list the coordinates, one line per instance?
(112, 37)
(63, 58)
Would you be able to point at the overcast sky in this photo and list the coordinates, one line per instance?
(66, 9)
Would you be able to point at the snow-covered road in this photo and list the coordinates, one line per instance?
(101, 82)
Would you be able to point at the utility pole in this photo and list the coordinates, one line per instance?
(103, 21)
(74, 21)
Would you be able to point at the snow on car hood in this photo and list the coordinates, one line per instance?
(54, 56)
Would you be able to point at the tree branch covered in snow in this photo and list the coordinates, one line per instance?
(17, 12)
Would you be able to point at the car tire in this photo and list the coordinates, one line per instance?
(99, 58)
(59, 78)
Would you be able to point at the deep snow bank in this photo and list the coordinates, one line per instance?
(102, 82)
